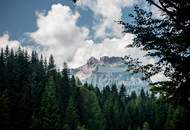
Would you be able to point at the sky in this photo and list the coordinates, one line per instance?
(71, 32)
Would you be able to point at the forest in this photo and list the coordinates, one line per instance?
(35, 95)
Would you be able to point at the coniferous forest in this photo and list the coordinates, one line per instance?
(34, 95)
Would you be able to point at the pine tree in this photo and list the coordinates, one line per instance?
(49, 116)
(142, 94)
(7, 52)
(4, 113)
(71, 115)
(28, 94)
(2, 72)
(122, 93)
(51, 66)
(65, 87)
(90, 111)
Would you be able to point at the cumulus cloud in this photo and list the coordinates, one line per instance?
(107, 12)
(14, 44)
(108, 47)
(59, 34)
(5, 41)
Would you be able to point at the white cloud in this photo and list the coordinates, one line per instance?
(107, 12)
(157, 13)
(59, 35)
(108, 47)
(13, 44)
(159, 77)
(5, 41)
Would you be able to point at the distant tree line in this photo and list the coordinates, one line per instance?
(34, 95)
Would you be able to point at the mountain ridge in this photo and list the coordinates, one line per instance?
(108, 71)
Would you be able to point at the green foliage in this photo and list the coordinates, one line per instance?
(166, 39)
(4, 113)
(122, 93)
(35, 97)
(146, 126)
(90, 112)
(49, 115)
(81, 128)
(65, 87)
(71, 115)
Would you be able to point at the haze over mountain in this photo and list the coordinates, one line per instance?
(109, 71)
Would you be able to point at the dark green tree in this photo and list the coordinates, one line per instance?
(51, 66)
(168, 40)
(90, 111)
(71, 115)
(2, 72)
(4, 113)
(122, 93)
(49, 115)
(33, 98)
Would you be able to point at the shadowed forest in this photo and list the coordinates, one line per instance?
(36, 95)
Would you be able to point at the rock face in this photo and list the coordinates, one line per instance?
(109, 71)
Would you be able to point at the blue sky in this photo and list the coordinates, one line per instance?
(18, 16)
(71, 32)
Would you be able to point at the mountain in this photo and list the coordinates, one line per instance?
(109, 71)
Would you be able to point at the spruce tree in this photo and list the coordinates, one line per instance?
(65, 86)
(49, 116)
(90, 111)
(71, 115)
(122, 93)
(2, 72)
(4, 113)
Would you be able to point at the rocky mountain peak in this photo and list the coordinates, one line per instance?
(110, 60)
(92, 61)
(108, 71)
